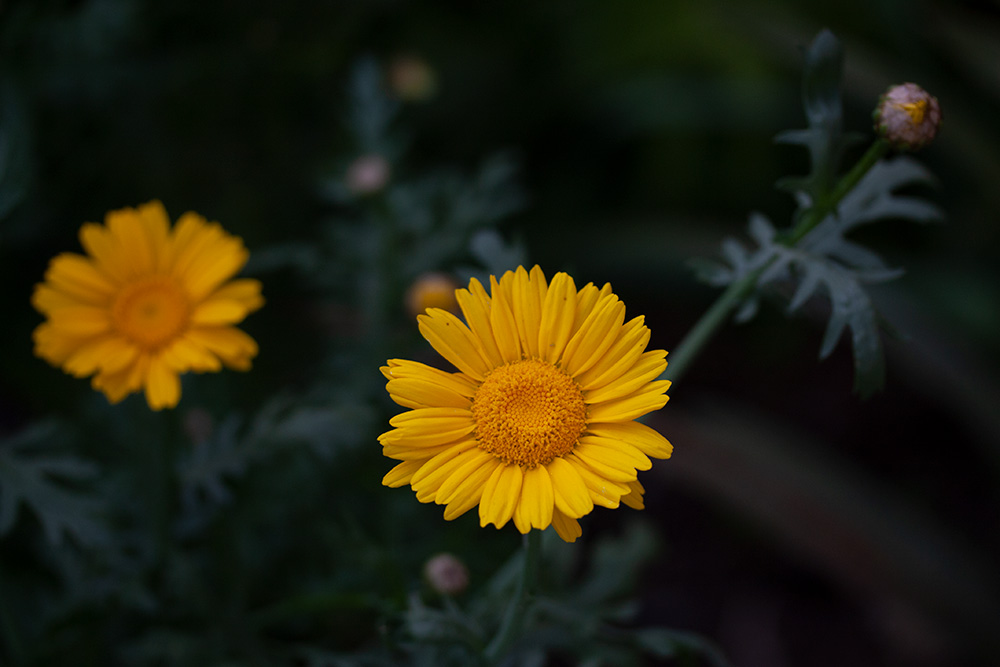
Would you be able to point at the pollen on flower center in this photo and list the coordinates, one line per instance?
(915, 110)
(151, 312)
(528, 413)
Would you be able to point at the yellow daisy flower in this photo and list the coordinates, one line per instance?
(147, 303)
(537, 426)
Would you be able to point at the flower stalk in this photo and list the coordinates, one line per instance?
(517, 611)
(719, 312)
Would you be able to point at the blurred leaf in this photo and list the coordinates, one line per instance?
(616, 565)
(821, 99)
(202, 470)
(667, 643)
(42, 483)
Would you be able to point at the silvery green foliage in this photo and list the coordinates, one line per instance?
(577, 618)
(825, 261)
(44, 483)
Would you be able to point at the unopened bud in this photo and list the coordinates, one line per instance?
(446, 574)
(367, 174)
(907, 116)
(432, 290)
(412, 79)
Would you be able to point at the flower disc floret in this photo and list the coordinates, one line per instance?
(528, 413)
(536, 426)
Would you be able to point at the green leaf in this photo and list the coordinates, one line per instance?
(824, 138)
(44, 485)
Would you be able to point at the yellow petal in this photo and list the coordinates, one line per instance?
(419, 393)
(594, 337)
(627, 454)
(475, 304)
(109, 354)
(537, 498)
(135, 254)
(648, 367)
(408, 453)
(232, 346)
(604, 463)
(426, 437)
(456, 382)
(469, 491)
(77, 276)
(603, 491)
(645, 439)
(217, 312)
(432, 418)
(620, 357)
(156, 226)
(500, 496)
(647, 399)
(163, 386)
(100, 244)
(183, 355)
(566, 528)
(244, 290)
(528, 291)
(401, 474)
(503, 324)
(81, 321)
(453, 341)
(568, 489)
(441, 466)
(558, 312)
(473, 462)
(45, 299)
(634, 497)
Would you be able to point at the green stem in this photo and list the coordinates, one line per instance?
(828, 204)
(688, 349)
(513, 621)
(718, 314)
(15, 649)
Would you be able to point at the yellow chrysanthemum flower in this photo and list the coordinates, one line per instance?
(537, 426)
(146, 304)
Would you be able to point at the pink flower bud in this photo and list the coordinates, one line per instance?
(367, 174)
(907, 116)
(446, 574)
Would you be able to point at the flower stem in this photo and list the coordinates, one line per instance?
(513, 621)
(825, 206)
(718, 314)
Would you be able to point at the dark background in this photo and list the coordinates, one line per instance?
(800, 525)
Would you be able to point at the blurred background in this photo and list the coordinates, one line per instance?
(796, 523)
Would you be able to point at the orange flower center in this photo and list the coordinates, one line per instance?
(152, 312)
(528, 413)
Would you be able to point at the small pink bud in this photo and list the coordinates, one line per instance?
(907, 116)
(367, 174)
(446, 574)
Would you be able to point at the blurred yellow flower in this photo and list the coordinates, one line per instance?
(147, 303)
(537, 426)
(431, 290)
